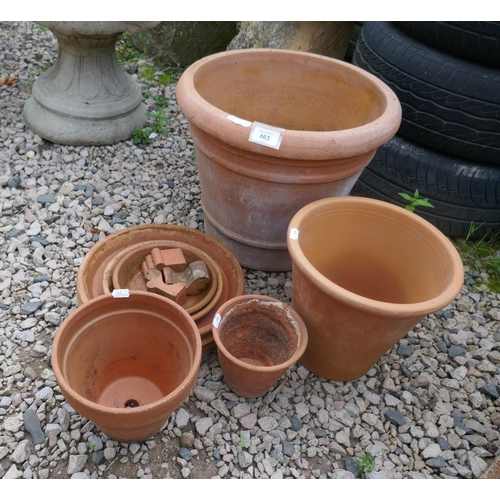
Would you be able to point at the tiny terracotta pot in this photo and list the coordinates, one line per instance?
(365, 272)
(127, 363)
(258, 338)
(326, 119)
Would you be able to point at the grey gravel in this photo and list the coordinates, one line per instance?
(30, 306)
(429, 408)
(32, 425)
(21, 453)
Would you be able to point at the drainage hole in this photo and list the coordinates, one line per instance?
(131, 403)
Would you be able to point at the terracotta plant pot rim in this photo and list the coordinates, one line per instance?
(304, 144)
(140, 409)
(413, 222)
(242, 299)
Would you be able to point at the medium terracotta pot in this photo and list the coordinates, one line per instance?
(332, 117)
(258, 338)
(127, 363)
(365, 272)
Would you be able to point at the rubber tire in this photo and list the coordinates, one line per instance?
(462, 192)
(449, 104)
(477, 41)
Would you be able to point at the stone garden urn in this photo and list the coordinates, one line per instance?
(86, 98)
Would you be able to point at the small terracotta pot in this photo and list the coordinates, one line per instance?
(365, 272)
(332, 115)
(127, 363)
(258, 338)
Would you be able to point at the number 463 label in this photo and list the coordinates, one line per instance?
(267, 135)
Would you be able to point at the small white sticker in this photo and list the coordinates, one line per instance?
(239, 121)
(216, 320)
(121, 293)
(294, 234)
(267, 135)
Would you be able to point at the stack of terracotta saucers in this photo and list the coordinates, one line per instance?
(188, 266)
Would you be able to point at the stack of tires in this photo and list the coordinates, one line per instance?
(447, 78)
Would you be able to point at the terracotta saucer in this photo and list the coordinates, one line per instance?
(124, 271)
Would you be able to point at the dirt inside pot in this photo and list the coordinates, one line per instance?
(261, 336)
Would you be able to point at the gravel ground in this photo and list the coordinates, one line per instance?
(428, 409)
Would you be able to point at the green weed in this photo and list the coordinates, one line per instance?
(165, 79)
(366, 464)
(142, 136)
(93, 447)
(153, 74)
(161, 101)
(159, 120)
(415, 201)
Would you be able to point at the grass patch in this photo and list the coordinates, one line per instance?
(482, 256)
(156, 74)
(165, 79)
(148, 72)
(153, 71)
(43, 68)
(126, 52)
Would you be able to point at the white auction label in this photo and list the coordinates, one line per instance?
(239, 121)
(267, 135)
(216, 320)
(294, 234)
(121, 293)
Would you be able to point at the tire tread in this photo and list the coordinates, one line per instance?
(448, 104)
(462, 192)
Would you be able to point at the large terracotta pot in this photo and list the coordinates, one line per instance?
(258, 338)
(365, 272)
(127, 363)
(332, 117)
